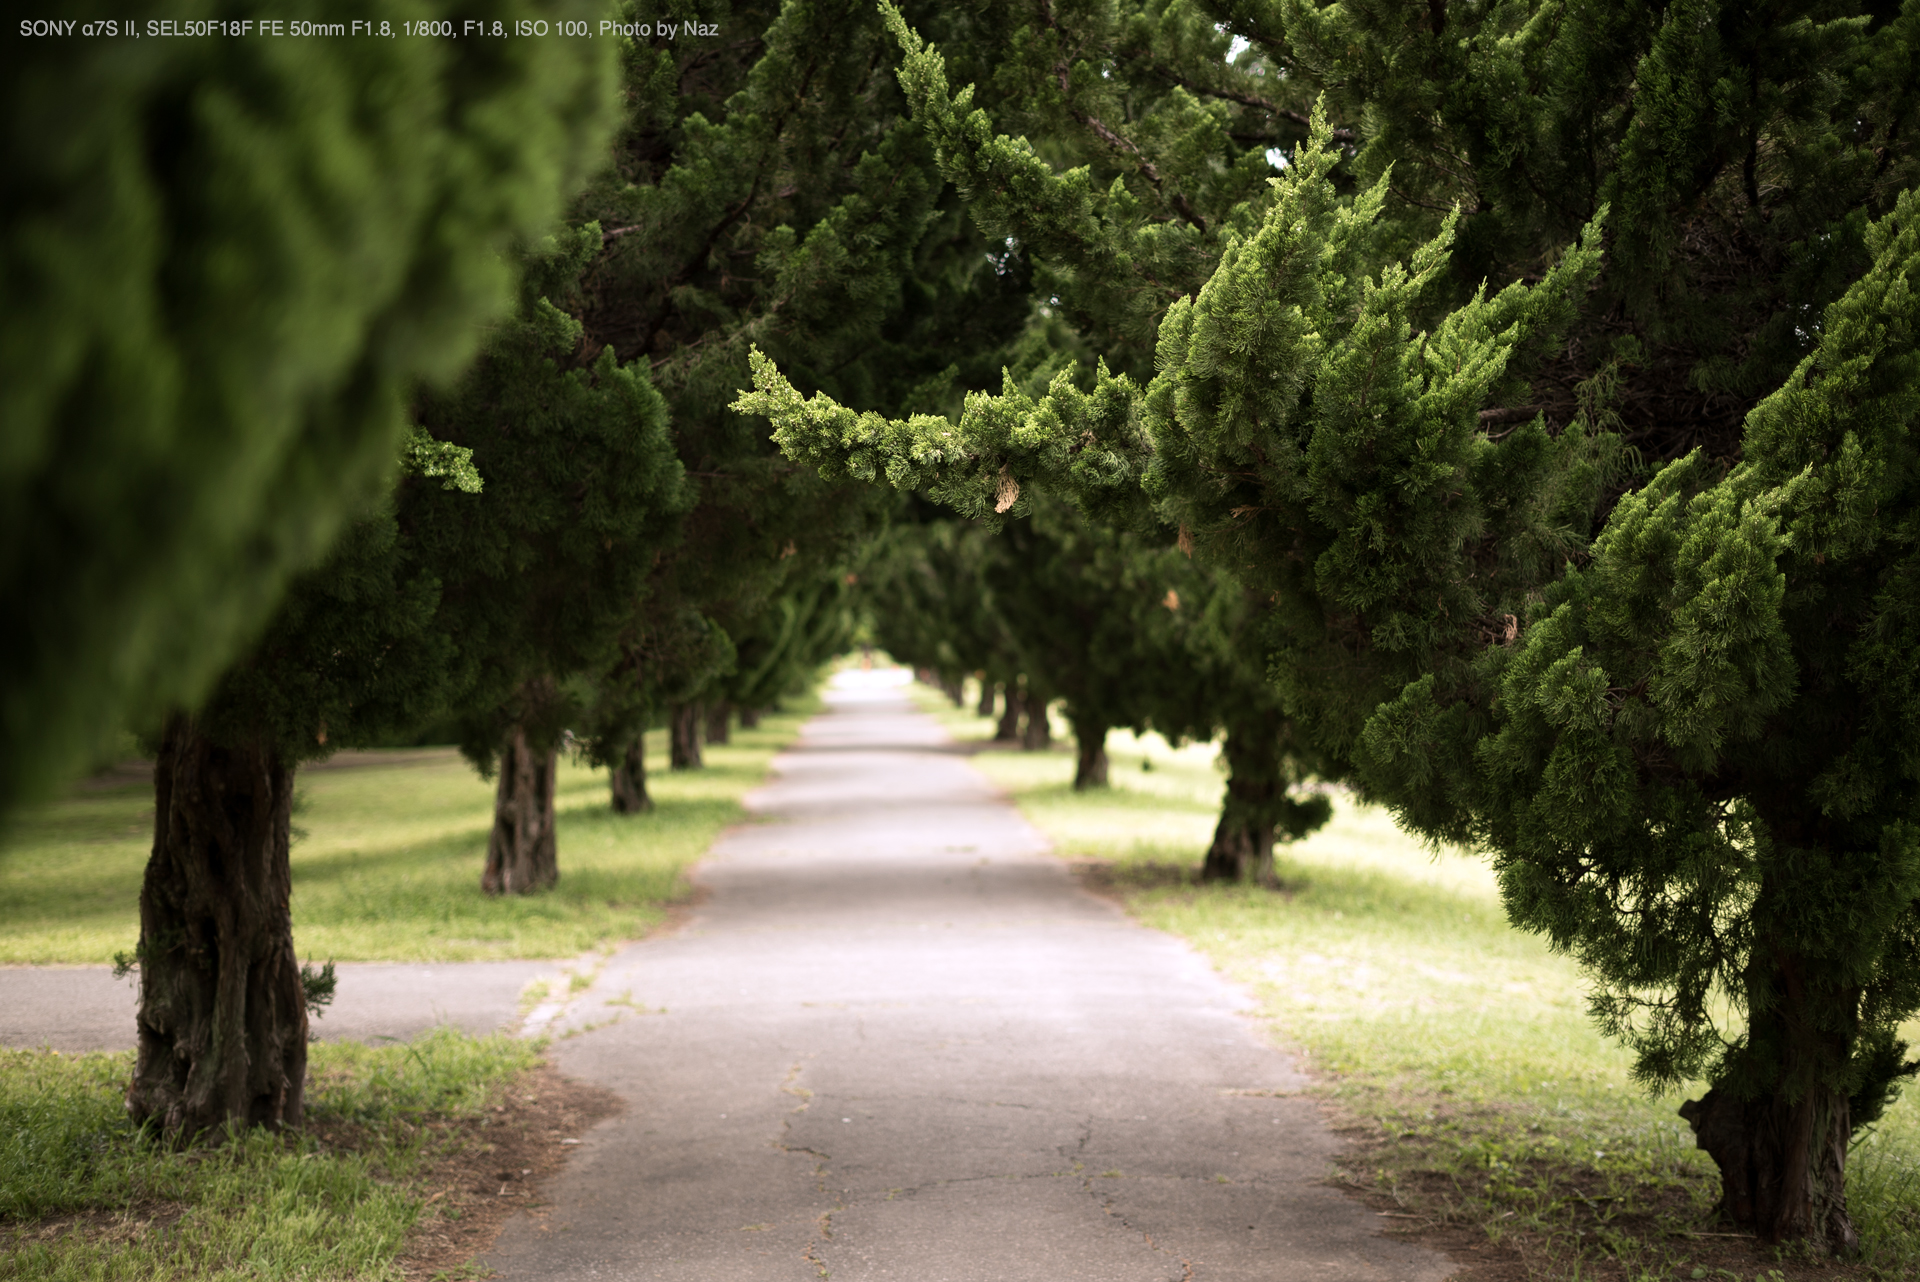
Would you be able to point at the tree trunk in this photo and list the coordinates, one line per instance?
(1090, 770)
(1037, 735)
(522, 855)
(223, 1019)
(719, 721)
(628, 779)
(1783, 1155)
(1009, 728)
(985, 707)
(955, 690)
(1242, 848)
(749, 718)
(683, 736)
(1783, 1166)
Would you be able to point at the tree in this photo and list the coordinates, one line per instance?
(544, 577)
(450, 597)
(224, 260)
(1085, 609)
(1412, 391)
(352, 653)
(769, 189)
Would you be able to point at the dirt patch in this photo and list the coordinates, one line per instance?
(128, 1224)
(495, 1165)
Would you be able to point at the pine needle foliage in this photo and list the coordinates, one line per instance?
(1555, 405)
(225, 260)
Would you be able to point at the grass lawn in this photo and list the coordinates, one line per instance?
(386, 865)
(85, 1196)
(1459, 1047)
(387, 857)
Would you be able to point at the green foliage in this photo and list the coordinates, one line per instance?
(1707, 734)
(225, 260)
(771, 192)
(1526, 248)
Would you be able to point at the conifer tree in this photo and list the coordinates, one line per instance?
(224, 261)
(1407, 390)
(466, 591)
(545, 576)
(768, 188)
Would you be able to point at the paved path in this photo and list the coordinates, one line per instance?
(84, 1008)
(897, 1042)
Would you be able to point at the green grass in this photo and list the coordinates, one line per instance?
(83, 1195)
(1463, 1045)
(389, 864)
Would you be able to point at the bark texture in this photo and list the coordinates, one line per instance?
(1090, 769)
(683, 736)
(1783, 1164)
(628, 780)
(719, 722)
(1037, 734)
(522, 855)
(223, 1018)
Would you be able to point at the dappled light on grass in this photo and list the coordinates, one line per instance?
(387, 856)
(1461, 1045)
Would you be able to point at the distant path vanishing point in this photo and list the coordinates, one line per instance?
(898, 1042)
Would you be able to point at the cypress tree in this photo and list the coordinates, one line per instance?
(466, 591)
(1589, 550)
(352, 654)
(768, 188)
(224, 259)
(544, 577)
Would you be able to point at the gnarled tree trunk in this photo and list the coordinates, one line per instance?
(628, 780)
(985, 706)
(223, 1018)
(719, 722)
(522, 854)
(1090, 769)
(1037, 734)
(1783, 1154)
(1783, 1164)
(683, 736)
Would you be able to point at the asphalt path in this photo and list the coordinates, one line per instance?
(897, 1041)
(84, 1008)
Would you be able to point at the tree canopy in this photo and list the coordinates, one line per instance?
(1552, 400)
(225, 262)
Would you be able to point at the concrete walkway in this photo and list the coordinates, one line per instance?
(897, 1042)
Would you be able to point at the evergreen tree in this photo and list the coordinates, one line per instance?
(224, 258)
(769, 189)
(544, 577)
(1411, 391)
(925, 588)
(451, 596)
(1086, 610)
